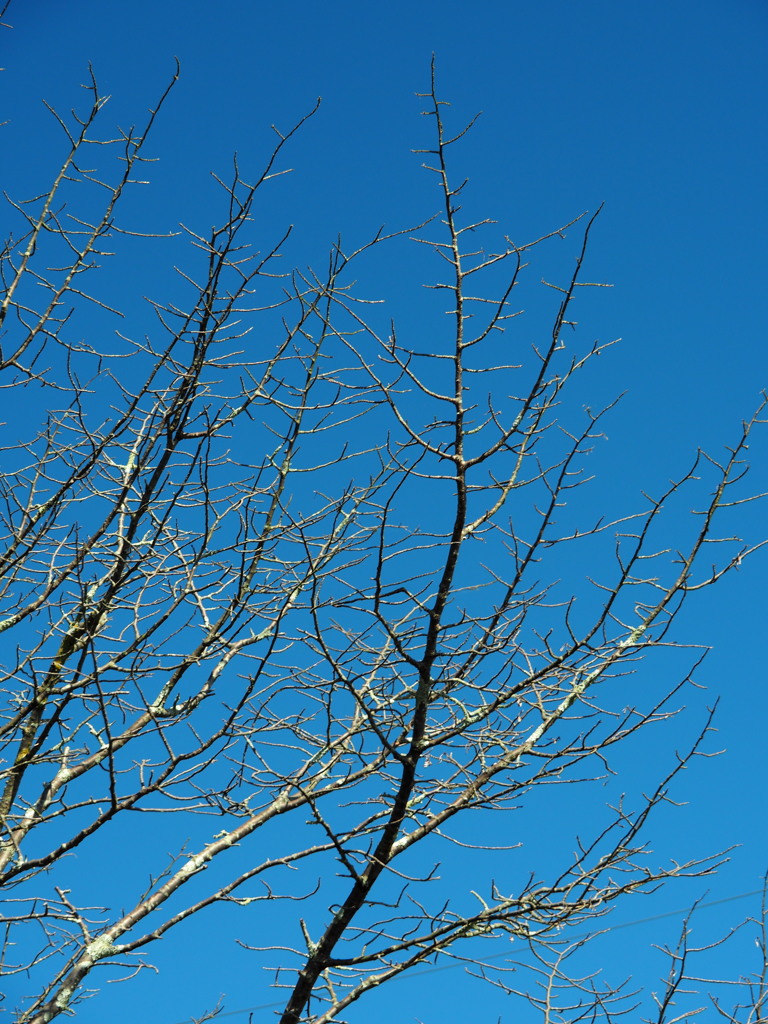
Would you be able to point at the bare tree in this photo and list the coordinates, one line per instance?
(690, 982)
(686, 992)
(286, 573)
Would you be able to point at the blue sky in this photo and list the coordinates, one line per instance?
(655, 109)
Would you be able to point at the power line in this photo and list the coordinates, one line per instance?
(499, 956)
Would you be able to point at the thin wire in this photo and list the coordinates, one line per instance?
(499, 956)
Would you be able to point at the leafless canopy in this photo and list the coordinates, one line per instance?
(291, 575)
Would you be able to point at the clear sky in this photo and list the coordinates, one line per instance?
(656, 109)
